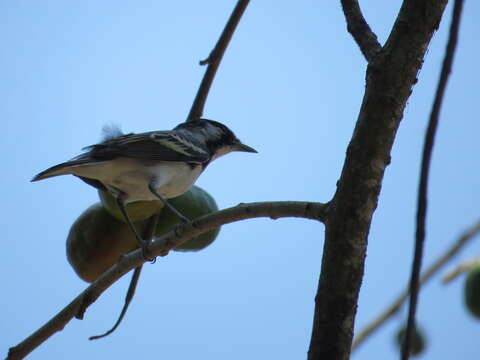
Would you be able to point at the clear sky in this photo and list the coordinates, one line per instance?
(290, 85)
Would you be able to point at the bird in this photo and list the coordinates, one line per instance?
(151, 165)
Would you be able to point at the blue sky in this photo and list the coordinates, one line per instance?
(290, 85)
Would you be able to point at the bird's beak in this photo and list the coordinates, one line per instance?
(243, 147)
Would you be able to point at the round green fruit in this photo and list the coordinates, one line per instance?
(138, 210)
(194, 203)
(472, 291)
(96, 241)
(418, 340)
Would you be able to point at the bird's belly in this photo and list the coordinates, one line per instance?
(132, 177)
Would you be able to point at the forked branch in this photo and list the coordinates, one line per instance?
(389, 81)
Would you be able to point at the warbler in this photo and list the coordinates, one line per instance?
(151, 165)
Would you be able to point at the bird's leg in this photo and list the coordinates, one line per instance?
(154, 191)
(142, 243)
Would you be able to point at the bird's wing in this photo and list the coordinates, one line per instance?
(155, 145)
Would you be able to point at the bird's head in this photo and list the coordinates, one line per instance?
(219, 139)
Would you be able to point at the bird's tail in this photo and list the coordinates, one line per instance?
(60, 169)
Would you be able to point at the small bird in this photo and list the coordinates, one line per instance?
(150, 165)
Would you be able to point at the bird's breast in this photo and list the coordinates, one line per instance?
(175, 178)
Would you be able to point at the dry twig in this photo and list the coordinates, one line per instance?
(424, 174)
(214, 59)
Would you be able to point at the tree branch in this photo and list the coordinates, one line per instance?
(390, 310)
(389, 81)
(360, 30)
(424, 174)
(274, 210)
(214, 59)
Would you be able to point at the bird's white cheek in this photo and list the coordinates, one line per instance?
(222, 151)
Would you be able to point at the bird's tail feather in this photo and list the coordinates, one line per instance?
(60, 169)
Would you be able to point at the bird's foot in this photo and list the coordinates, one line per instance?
(145, 252)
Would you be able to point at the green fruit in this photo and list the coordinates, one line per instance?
(194, 203)
(472, 291)
(417, 343)
(138, 210)
(96, 241)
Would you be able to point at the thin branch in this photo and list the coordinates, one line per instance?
(128, 299)
(393, 308)
(214, 59)
(360, 30)
(147, 234)
(158, 246)
(464, 266)
(424, 174)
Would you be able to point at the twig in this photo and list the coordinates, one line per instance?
(375, 324)
(214, 59)
(274, 210)
(424, 174)
(360, 30)
(464, 266)
(147, 234)
(128, 299)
